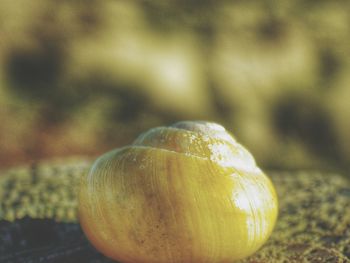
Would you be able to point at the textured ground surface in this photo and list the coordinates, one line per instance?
(38, 221)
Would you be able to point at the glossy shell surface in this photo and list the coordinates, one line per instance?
(184, 193)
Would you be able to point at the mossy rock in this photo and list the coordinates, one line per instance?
(38, 217)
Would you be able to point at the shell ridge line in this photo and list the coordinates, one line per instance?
(161, 129)
(234, 166)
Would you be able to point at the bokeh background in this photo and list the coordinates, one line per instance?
(82, 77)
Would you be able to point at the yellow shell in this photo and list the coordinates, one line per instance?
(188, 193)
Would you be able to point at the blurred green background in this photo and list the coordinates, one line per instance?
(82, 77)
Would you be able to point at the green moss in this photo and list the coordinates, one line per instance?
(46, 190)
(313, 221)
(313, 224)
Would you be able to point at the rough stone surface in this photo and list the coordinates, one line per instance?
(313, 224)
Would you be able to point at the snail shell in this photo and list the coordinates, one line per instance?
(184, 193)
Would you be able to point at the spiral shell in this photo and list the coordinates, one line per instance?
(184, 193)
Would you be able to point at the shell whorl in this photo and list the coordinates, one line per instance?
(200, 139)
(184, 193)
